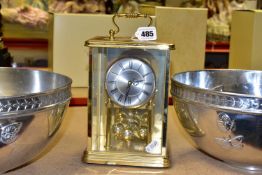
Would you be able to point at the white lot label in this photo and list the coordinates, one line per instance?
(146, 33)
(152, 146)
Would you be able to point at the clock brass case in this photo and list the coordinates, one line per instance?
(128, 100)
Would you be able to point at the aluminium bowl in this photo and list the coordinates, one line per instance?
(32, 105)
(222, 112)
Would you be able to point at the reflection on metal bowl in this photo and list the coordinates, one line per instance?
(222, 112)
(32, 105)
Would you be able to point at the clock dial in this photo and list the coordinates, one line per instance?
(130, 82)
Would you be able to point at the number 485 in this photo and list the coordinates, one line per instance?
(147, 33)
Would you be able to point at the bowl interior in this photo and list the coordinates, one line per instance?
(21, 82)
(232, 81)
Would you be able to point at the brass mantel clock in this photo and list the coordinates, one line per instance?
(128, 99)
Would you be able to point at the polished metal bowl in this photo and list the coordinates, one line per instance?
(222, 112)
(32, 104)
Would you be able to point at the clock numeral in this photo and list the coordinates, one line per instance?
(114, 91)
(148, 83)
(114, 73)
(139, 67)
(130, 64)
(147, 74)
(146, 93)
(120, 97)
(138, 98)
(111, 82)
(128, 100)
(121, 66)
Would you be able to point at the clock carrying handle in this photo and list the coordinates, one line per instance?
(113, 32)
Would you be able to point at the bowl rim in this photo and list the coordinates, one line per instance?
(68, 84)
(240, 103)
(31, 102)
(173, 82)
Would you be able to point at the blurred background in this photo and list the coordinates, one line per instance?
(25, 24)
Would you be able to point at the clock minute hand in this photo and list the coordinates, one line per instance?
(128, 89)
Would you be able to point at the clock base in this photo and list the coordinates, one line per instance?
(130, 159)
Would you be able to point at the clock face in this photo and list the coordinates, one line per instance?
(130, 82)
